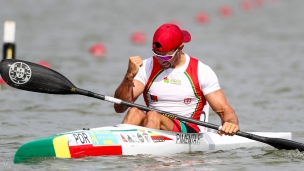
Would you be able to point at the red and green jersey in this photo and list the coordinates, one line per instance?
(180, 90)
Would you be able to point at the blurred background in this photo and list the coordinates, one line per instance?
(254, 46)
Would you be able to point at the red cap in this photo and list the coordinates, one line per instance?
(168, 37)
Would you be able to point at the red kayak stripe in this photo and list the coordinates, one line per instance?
(90, 150)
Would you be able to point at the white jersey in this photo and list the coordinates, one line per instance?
(180, 90)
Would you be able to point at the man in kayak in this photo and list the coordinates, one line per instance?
(174, 82)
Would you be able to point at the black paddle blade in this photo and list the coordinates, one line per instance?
(280, 143)
(33, 77)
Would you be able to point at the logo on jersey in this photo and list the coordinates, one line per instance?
(175, 81)
(166, 80)
(187, 101)
(172, 81)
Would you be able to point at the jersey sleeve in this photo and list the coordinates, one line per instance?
(207, 78)
(144, 71)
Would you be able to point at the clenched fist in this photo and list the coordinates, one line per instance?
(134, 63)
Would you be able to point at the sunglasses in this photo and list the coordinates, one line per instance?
(164, 57)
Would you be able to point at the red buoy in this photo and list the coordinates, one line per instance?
(138, 38)
(225, 11)
(98, 50)
(202, 18)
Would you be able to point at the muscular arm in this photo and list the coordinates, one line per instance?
(129, 89)
(220, 105)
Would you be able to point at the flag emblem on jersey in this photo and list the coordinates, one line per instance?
(187, 101)
(153, 98)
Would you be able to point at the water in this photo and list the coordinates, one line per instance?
(257, 56)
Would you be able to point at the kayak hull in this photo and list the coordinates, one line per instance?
(125, 139)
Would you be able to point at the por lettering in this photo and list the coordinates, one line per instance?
(81, 138)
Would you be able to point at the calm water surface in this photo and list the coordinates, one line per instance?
(257, 55)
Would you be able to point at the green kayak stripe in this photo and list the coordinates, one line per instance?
(39, 148)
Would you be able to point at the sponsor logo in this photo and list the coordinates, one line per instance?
(146, 136)
(172, 81)
(157, 139)
(187, 101)
(130, 139)
(123, 138)
(175, 81)
(102, 137)
(166, 80)
(141, 139)
(20, 73)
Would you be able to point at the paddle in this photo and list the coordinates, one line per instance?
(33, 77)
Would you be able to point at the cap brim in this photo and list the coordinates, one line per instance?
(186, 36)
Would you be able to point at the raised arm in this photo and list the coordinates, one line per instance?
(129, 89)
(220, 105)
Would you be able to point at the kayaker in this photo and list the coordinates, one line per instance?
(174, 82)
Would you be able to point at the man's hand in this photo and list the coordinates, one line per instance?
(135, 62)
(228, 129)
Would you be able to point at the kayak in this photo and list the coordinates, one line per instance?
(125, 139)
